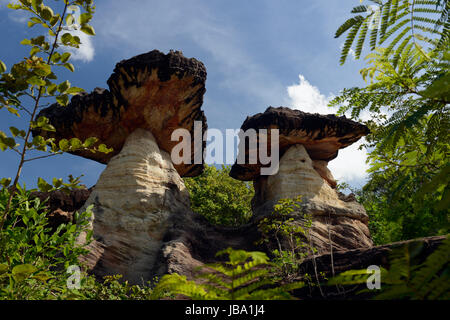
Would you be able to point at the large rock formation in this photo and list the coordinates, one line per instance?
(135, 198)
(153, 91)
(139, 194)
(307, 143)
(329, 265)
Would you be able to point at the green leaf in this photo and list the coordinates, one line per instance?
(54, 20)
(22, 271)
(2, 67)
(3, 268)
(104, 149)
(42, 276)
(43, 70)
(66, 38)
(70, 19)
(74, 90)
(75, 143)
(5, 182)
(63, 144)
(65, 57)
(89, 142)
(43, 185)
(34, 50)
(56, 57)
(25, 42)
(63, 86)
(15, 132)
(63, 99)
(85, 18)
(36, 81)
(439, 88)
(69, 66)
(57, 182)
(47, 13)
(13, 111)
(88, 30)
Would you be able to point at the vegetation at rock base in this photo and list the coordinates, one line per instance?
(407, 195)
(407, 95)
(289, 227)
(244, 276)
(406, 278)
(219, 198)
(29, 84)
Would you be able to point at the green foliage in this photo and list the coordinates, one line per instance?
(33, 257)
(31, 81)
(402, 21)
(244, 276)
(289, 227)
(219, 198)
(407, 96)
(429, 280)
(112, 288)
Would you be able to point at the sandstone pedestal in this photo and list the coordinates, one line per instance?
(134, 200)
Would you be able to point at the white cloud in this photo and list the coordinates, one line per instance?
(84, 53)
(86, 50)
(350, 165)
(189, 25)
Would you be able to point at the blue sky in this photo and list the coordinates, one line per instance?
(258, 53)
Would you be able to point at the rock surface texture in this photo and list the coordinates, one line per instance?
(134, 199)
(140, 193)
(358, 259)
(153, 91)
(307, 143)
(321, 135)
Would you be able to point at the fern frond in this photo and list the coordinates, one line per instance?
(373, 38)
(349, 41)
(348, 24)
(359, 9)
(399, 51)
(393, 14)
(247, 290)
(385, 17)
(432, 265)
(350, 277)
(426, 10)
(394, 29)
(248, 277)
(396, 40)
(215, 279)
(362, 37)
(437, 288)
(394, 292)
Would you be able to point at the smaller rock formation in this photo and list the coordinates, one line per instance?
(61, 206)
(359, 259)
(141, 191)
(307, 143)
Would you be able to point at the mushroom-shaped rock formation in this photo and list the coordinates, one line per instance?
(306, 143)
(141, 190)
(153, 91)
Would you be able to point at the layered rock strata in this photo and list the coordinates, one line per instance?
(134, 199)
(307, 142)
(139, 194)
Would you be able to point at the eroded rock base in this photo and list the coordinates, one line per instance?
(134, 201)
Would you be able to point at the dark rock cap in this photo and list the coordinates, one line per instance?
(153, 91)
(322, 135)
